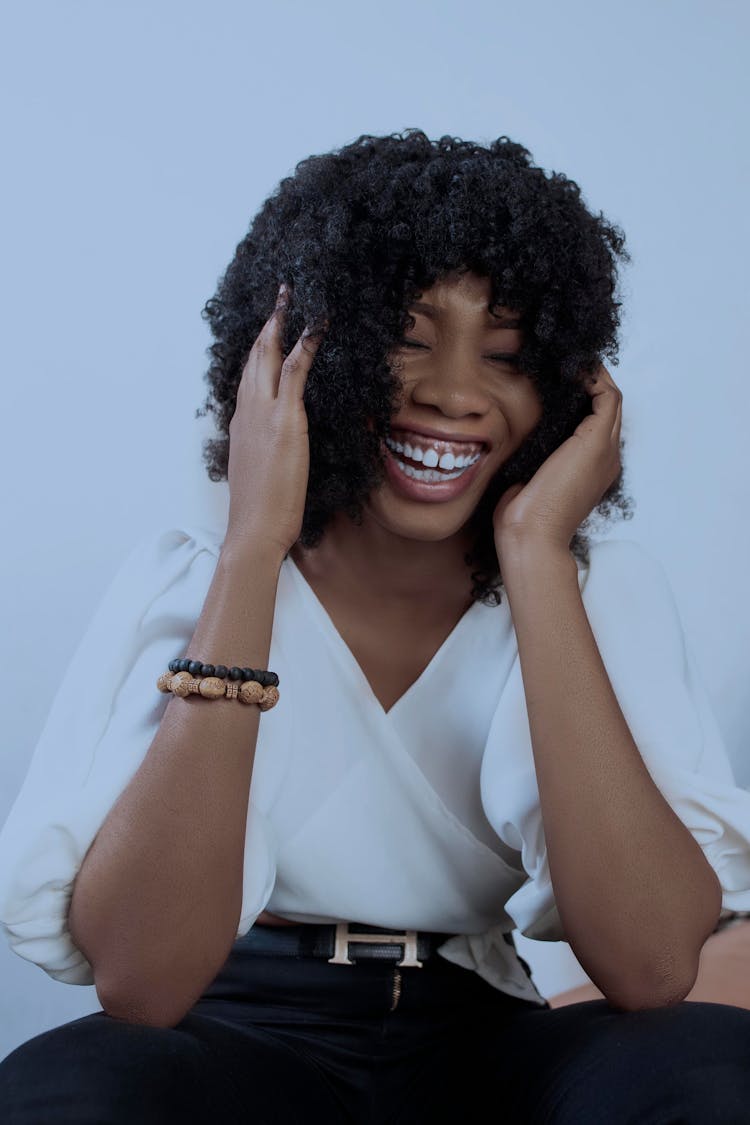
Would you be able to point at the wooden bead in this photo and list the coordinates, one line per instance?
(251, 692)
(212, 687)
(270, 699)
(180, 684)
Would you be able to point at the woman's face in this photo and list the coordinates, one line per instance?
(460, 381)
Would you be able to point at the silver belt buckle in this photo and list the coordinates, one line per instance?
(343, 937)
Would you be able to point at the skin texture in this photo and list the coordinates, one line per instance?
(723, 976)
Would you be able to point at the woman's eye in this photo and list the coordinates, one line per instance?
(511, 359)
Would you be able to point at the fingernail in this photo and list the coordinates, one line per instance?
(282, 289)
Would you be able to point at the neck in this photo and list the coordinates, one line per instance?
(380, 568)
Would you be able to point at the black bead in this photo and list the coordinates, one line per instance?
(274, 679)
(194, 667)
(207, 669)
(184, 664)
(221, 671)
(173, 665)
(235, 673)
(248, 674)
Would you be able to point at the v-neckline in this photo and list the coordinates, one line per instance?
(327, 623)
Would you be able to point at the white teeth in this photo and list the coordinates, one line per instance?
(429, 458)
(429, 476)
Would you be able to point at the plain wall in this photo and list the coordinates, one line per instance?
(140, 139)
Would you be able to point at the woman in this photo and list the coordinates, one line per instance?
(310, 917)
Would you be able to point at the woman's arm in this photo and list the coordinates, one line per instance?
(635, 893)
(156, 902)
(723, 976)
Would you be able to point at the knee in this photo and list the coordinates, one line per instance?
(690, 1059)
(122, 1072)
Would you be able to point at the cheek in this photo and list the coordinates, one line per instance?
(529, 407)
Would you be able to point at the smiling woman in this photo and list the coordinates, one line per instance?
(445, 363)
(461, 271)
(302, 881)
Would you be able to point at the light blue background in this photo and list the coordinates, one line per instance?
(139, 140)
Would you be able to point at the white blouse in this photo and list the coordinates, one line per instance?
(423, 817)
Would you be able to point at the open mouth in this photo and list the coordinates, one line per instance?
(416, 471)
(433, 462)
(430, 482)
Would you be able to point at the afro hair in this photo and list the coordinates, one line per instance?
(358, 234)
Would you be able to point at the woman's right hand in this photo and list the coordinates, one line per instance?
(269, 447)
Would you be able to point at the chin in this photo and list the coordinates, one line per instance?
(431, 524)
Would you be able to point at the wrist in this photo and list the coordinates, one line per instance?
(523, 549)
(252, 552)
(527, 566)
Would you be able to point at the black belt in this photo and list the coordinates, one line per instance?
(344, 943)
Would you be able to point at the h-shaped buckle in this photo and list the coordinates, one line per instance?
(344, 936)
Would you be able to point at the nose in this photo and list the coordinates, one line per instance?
(450, 384)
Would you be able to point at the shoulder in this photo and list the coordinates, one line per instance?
(627, 592)
(165, 564)
(627, 563)
(167, 550)
(197, 536)
(621, 553)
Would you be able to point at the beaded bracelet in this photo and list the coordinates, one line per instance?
(213, 681)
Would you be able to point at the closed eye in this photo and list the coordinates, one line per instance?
(512, 359)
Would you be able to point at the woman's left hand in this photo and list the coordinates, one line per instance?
(571, 482)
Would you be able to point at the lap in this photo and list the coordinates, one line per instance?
(98, 1069)
(589, 1062)
(576, 1065)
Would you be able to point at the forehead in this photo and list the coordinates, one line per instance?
(465, 293)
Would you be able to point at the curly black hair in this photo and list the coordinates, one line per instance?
(358, 234)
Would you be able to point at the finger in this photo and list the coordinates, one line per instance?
(603, 389)
(617, 427)
(604, 378)
(296, 366)
(608, 383)
(261, 371)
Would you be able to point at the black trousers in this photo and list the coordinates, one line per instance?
(286, 1040)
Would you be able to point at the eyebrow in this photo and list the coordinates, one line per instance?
(503, 320)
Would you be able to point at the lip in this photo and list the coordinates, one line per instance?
(424, 492)
(426, 431)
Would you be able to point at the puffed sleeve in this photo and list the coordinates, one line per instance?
(636, 623)
(100, 725)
